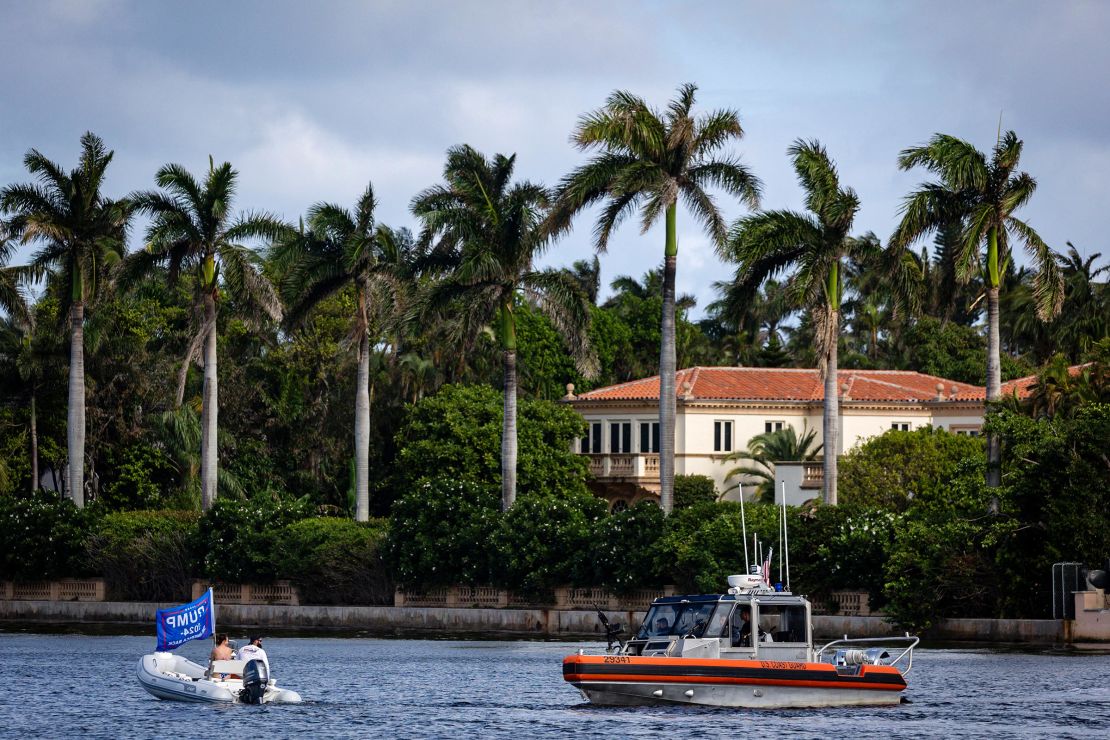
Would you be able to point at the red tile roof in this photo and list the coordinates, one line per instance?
(789, 384)
(1022, 387)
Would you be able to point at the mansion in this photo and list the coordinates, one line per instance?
(719, 409)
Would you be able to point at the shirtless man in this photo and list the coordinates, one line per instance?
(222, 651)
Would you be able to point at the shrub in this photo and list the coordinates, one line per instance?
(544, 541)
(894, 468)
(144, 555)
(440, 533)
(691, 490)
(140, 476)
(238, 540)
(703, 545)
(336, 561)
(623, 554)
(42, 537)
(456, 434)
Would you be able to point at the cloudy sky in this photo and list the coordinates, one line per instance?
(312, 100)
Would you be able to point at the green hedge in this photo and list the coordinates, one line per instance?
(336, 561)
(42, 538)
(144, 555)
(238, 541)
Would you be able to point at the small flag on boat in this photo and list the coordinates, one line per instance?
(767, 567)
(180, 624)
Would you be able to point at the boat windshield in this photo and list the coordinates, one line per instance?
(664, 620)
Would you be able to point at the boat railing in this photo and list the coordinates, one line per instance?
(906, 654)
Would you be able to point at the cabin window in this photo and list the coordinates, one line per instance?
(773, 426)
(679, 620)
(900, 426)
(785, 623)
(722, 436)
(620, 437)
(649, 436)
(591, 443)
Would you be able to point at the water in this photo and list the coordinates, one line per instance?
(85, 686)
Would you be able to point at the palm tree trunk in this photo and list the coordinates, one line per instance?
(831, 427)
(34, 445)
(508, 435)
(209, 412)
(75, 429)
(667, 402)
(362, 431)
(994, 392)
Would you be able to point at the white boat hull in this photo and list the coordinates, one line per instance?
(171, 677)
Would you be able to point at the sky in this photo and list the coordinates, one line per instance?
(311, 101)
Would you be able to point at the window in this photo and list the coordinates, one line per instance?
(773, 426)
(900, 426)
(618, 506)
(649, 436)
(965, 431)
(591, 443)
(620, 437)
(722, 436)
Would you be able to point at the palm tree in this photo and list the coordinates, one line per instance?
(12, 300)
(764, 450)
(495, 230)
(192, 231)
(982, 196)
(343, 249)
(646, 161)
(82, 233)
(814, 245)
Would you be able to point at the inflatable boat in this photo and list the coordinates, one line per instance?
(173, 677)
(751, 647)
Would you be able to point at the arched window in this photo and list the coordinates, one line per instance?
(618, 506)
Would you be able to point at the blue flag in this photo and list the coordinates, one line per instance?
(179, 624)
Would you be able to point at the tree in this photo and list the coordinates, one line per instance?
(341, 249)
(192, 230)
(814, 245)
(82, 233)
(981, 196)
(646, 161)
(764, 450)
(494, 228)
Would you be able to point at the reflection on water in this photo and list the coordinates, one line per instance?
(56, 685)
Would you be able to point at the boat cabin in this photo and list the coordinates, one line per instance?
(749, 625)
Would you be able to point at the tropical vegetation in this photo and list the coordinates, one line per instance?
(119, 458)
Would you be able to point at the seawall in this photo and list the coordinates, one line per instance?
(489, 623)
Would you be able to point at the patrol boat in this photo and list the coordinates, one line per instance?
(751, 647)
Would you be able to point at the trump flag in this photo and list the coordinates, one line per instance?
(179, 624)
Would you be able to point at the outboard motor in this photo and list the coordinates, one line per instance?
(256, 677)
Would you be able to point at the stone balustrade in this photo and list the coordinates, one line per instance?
(70, 589)
(279, 593)
(564, 598)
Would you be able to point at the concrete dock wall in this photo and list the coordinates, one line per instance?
(441, 621)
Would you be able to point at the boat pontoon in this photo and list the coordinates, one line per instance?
(170, 676)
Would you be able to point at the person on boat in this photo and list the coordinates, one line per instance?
(662, 626)
(222, 651)
(742, 633)
(253, 651)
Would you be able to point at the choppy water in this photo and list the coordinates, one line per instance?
(85, 686)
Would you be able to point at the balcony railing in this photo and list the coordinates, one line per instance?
(813, 475)
(624, 465)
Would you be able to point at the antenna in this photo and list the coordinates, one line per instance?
(785, 536)
(744, 531)
(781, 516)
